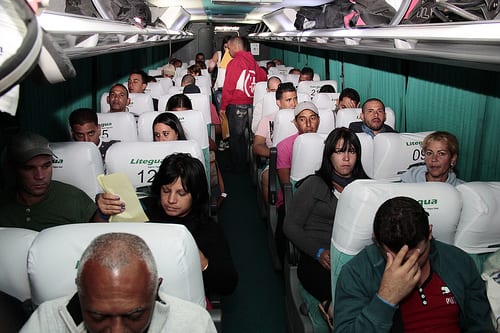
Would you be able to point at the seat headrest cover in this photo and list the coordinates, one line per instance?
(358, 203)
(54, 255)
(479, 228)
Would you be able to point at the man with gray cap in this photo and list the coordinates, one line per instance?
(35, 201)
(307, 121)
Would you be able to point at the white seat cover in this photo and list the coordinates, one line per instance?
(14, 246)
(259, 92)
(366, 153)
(360, 200)
(347, 116)
(166, 83)
(294, 78)
(78, 164)
(117, 126)
(307, 155)
(303, 97)
(54, 255)
(201, 102)
(283, 125)
(326, 121)
(326, 100)
(393, 153)
(154, 72)
(155, 89)
(104, 102)
(141, 160)
(145, 126)
(312, 87)
(479, 228)
(269, 105)
(140, 103)
(204, 83)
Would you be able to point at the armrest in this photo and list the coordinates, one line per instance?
(216, 315)
(273, 184)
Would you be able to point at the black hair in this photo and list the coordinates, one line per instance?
(351, 93)
(307, 71)
(400, 221)
(179, 101)
(82, 116)
(372, 100)
(327, 88)
(144, 76)
(119, 85)
(172, 121)
(192, 175)
(270, 64)
(350, 140)
(284, 87)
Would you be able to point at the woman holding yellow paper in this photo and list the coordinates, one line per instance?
(180, 195)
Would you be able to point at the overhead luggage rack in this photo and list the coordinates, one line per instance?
(467, 44)
(81, 36)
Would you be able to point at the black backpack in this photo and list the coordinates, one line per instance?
(329, 15)
(432, 11)
(130, 11)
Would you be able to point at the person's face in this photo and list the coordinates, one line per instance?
(305, 77)
(347, 103)
(288, 100)
(164, 132)
(438, 160)
(88, 132)
(35, 176)
(273, 85)
(343, 161)
(116, 300)
(200, 57)
(307, 122)
(175, 200)
(135, 84)
(373, 115)
(117, 99)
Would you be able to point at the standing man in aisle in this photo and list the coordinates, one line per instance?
(242, 74)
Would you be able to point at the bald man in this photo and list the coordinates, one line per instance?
(117, 282)
(272, 85)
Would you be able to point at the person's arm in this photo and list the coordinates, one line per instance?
(259, 146)
(219, 274)
(232, 73)
(302, 205)
(213, 62)
(257, 116)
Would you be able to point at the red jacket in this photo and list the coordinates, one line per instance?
(242, 73)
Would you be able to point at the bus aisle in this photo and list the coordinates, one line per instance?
(257, 305)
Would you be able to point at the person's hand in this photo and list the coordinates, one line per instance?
(400, 276)
(203, 261)
(222, 112)
(110, 204)
(347, 103)
(324, 259)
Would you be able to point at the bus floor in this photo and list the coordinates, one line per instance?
(258, 303)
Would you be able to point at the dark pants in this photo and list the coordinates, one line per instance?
(314, 278)
(237, 116)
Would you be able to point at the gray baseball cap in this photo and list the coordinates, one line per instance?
(26, 145)
(305, 106)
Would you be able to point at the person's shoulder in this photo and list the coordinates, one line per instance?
(356, 126)
(389, 129)
(186, 316)
(65, 187)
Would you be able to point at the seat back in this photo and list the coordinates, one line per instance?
(140, 103)
(166, 83)
(307, 155)
(117, 126)
(201, 103)
(327, 121)
(360, 200)
(154, 72)
(303, 97)
(145, 126)
(283, 125)
(179, 74)
(78, 164)
(269, 105)
(141, 160)
(155, 89)
(326, 100)
(259, 92)
(366, 153)
(104, 103)
(312, 87)
(294, 78)
(393, 153)
(204, 83)
(347, 116)
(14, 246)
(478, 230)
(54, 255)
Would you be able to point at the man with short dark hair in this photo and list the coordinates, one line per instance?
(348, 99)
(372, 119)
(138, 82)
(409, 282)
(85, 127)
(118, 291)
(306, 74)
(272, 85)
(36, 201)
(118, 99)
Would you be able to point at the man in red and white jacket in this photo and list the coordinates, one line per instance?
(242, 73)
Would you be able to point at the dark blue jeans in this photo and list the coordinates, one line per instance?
(237, 116)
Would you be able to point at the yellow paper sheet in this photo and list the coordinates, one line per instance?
(119, 184)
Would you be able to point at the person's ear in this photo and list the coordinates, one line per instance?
(453, 161)
(362, 116)
(128, 101)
